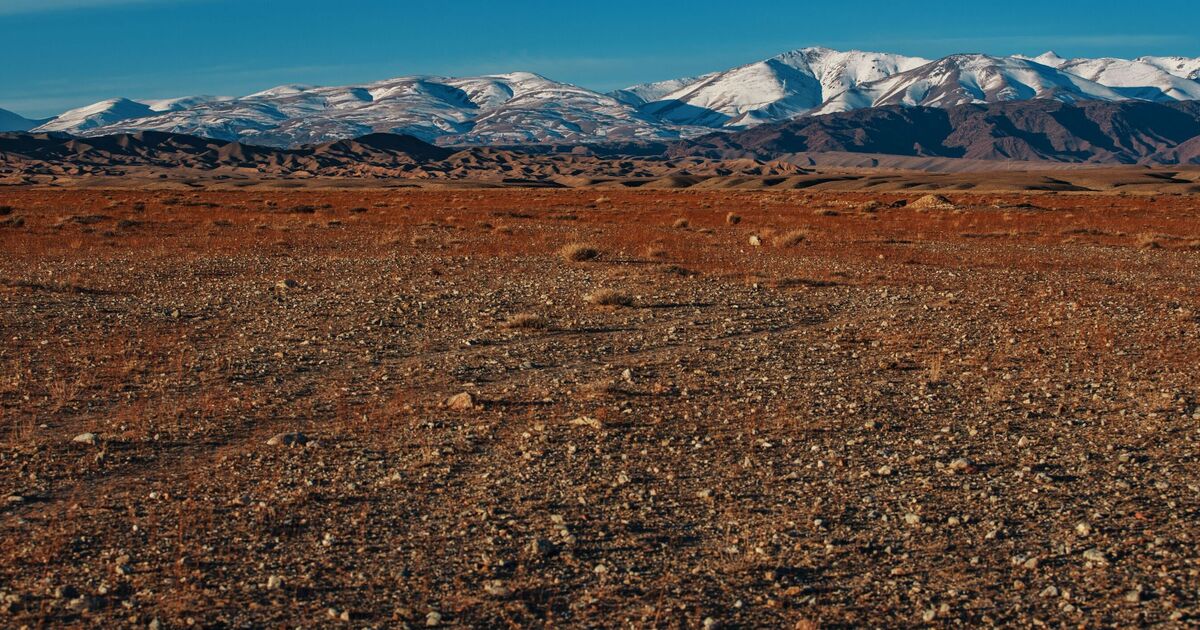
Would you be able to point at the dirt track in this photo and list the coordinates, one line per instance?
(986, 412)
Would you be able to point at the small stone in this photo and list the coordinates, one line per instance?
(1049, 591)
(274, 582)
(1134, 596)
(912, 519)
(711, 624)
(884, 471)
(600, 569)
(496, 588)
(287, 283)
(755, 240)
(929, 615)
(288, 439)
(1095, 555)
(434, 618)
(539, 547)
(460, 402)
(1083, 529)
(86, 438)
(961, 465)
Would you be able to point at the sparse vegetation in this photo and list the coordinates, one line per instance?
(578, 252)
(792, 238)
(609, 297)
(526, 321)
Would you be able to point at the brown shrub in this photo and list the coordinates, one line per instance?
(792, 238)
(578, 252)
(609, 297)
(526, 321)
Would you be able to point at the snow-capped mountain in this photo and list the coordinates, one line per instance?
(778, 88)
(512, 108)
(964, 79)
(1145, 78)
(10, 121)
(1183, 67)
(523, 108)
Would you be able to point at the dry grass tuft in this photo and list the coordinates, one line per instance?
(578, 252)
(609, 297)
(792, 238)
(1146, 240)
(528, 321)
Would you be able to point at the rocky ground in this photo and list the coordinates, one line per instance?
(378, 408)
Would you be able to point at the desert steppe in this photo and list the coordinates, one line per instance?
(371, 407)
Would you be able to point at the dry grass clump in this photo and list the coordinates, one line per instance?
(733, 218)
(527, 321)
(681, 223)
(1146, 240)
(578, 252)
(792, 238)
(609, 297)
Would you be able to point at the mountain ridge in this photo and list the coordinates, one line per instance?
(522, 108)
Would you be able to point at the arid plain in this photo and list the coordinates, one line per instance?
(601, 408)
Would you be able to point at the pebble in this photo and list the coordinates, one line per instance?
(1083, 529)
(85, 438)
(1095, 555)
(711, 624)
(961, 465)
(287, 283)
(912, 519)
(274, 582)
(460, 402)
(434, 618)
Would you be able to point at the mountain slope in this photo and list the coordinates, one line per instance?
(963, 79)
(775, 89)
(1183, 67)
(1134, 79)
(499, 109)
(11, 121)
(1125, 132)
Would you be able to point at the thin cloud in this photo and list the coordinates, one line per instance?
(16, 7)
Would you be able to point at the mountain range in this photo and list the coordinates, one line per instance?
(525, 109)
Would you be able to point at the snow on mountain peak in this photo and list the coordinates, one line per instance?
(524, 107)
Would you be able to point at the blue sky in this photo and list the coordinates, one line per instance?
(65, 53)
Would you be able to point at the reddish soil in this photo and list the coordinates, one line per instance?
(979, 411)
